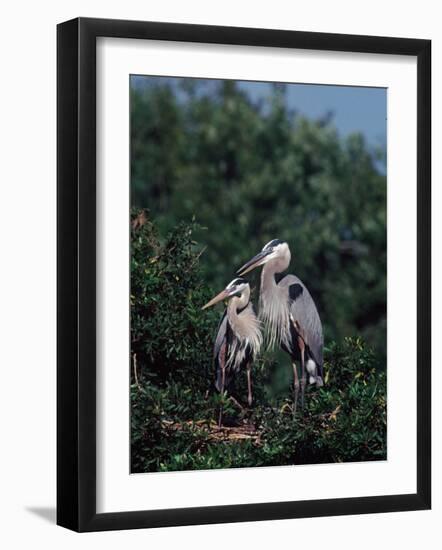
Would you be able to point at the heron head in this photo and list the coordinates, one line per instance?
(234, 288)
(274, 249)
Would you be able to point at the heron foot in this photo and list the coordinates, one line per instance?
(236, 403)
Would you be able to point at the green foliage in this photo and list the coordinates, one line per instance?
(171, 426)
(168, 333)
(343, 421)
(251, 173)
(174, 409)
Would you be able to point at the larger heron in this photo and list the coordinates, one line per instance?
(289, 313)
(239, 336)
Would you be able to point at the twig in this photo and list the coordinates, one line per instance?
(135, 372)
(196, 258)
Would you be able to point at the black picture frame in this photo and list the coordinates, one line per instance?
(77, 287)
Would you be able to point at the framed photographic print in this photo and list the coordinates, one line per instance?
(243, 274)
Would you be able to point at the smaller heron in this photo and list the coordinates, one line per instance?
(239, 337)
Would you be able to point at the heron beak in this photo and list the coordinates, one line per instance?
(221, 296)
(256, 261)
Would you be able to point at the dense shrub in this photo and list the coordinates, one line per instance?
(169, 336)
(174, 409)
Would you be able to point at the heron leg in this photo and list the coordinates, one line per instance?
(249, 384)
(223, 380)
(295, 386)
(303, 373)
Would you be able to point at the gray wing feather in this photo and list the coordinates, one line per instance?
(304, 310)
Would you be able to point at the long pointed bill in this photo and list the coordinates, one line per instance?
(221, 296)
(256, 261)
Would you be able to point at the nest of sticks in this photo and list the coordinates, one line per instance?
(215, 432)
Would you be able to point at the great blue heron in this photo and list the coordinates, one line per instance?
(239, 337)
(289, 314)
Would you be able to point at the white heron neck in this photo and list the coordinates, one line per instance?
(273, 310)
(268, 281)
(271, 268)
(237, 303)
